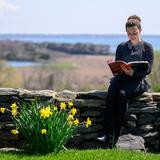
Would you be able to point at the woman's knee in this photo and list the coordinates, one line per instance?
(122, 94)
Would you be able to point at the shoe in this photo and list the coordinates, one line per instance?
(103, 138)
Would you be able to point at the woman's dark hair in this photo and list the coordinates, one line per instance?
(132, 21)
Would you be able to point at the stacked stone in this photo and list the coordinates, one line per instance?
(6, 122)
(89, 104)
(143, 119)
(9, 96)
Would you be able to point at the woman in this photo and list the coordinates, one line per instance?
(132, 83)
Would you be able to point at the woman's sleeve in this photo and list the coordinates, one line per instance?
(118, 53)
(149, 56)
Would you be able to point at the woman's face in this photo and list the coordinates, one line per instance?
(134, 34)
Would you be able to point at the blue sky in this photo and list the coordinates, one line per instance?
(77, 16)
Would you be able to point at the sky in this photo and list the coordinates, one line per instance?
(77, 16)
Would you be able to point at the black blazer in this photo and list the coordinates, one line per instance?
(141, 52)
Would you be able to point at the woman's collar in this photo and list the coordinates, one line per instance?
(137, 46)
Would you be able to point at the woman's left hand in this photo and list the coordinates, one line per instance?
(127, 71)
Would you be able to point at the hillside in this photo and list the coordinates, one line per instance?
(19, 50)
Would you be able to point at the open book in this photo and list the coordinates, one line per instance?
(115, 66)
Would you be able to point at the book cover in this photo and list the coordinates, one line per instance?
(115, 66)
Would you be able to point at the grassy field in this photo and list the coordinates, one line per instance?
(99, 154)
(72, 72)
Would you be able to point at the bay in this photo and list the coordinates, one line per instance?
(112, 40)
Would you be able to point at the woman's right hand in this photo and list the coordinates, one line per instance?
(127, 71)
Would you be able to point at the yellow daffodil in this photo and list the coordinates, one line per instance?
(45, 112)
(70, 118)
(43, 131)
(14, 106)
(14, 131)
(55, 108)
(70, 104)
(48, 110)
(73, 111)
(76, 122)
(88, 122)
(14, 112)
(62, 105)
(2, 109)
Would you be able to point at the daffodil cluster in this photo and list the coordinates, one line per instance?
(51, 125)
(14, 111)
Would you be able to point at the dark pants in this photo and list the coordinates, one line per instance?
(121, 90)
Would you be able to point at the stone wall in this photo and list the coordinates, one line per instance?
(142, 120)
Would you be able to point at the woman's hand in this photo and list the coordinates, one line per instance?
(127, 71)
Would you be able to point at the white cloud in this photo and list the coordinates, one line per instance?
(7, 6)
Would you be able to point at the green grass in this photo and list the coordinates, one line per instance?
(99, 154)
(153, 78)
(63, 65)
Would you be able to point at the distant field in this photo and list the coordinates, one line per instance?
(88, 67)
(73, 72)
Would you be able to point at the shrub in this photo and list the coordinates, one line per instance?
(45, 127)
(154, 77)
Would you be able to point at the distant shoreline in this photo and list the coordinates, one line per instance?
(98, 39)
(31, 51)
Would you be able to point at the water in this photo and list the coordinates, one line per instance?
(112, 40)
(21, 63)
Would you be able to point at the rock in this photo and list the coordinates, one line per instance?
(145, 97)
(146, 128)
(145, 118)
(97, 119)
(93, 128)
(6, 118)
(89, 103)
(8, 126)
(131, 142)
(156, 96)
(91, 114)
(9, 149)
(131, 124)
(142, 105)
(131, 117)
(7, 135)
(35, 93)
(158, 104)
(150, 134)
(144, 110)
(95, 94)
(66, 94)
(4, 99)
(157, 122)
(8, 92)
(124, 130)
(91, 136)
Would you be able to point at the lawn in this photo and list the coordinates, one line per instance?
(99, 154)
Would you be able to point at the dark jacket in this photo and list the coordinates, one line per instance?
(141, 52)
